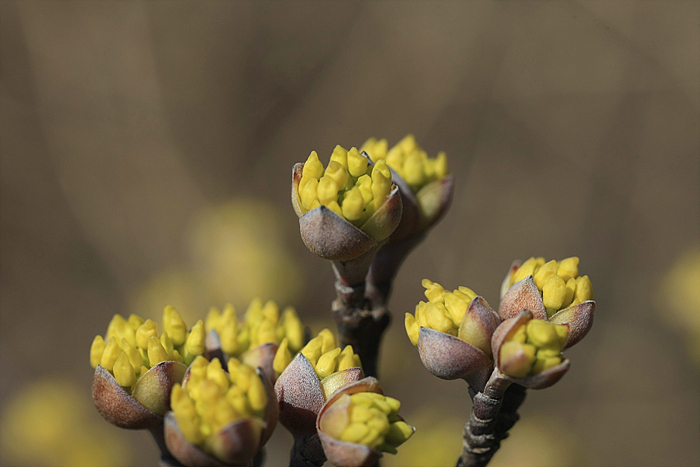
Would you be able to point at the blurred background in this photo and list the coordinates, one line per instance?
(146, 159)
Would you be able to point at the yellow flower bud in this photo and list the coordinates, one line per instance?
(176, 357)
(570, 291)
(516, 358)
(381, 183)
(135, 357)
(229, 312)
(213, 319)
(456, 306)
(180, 401)
(399, 432)
(544, 273)
(282, 357)
(195, 341)
(354, 432)
(420, 314)
(256, 394)
(156, 352)
(293, 329)
(395, 158)
(327, 363)
(335, 207)
(542, 334)
(338, 173)
(563, 333)
(123, 371)
(413, 172)
(328, 340)
(381, 167)
(353, 204)
(364, 184)
(237, 399)
(228, 334)
(224, 415)
(174, 325)
(266, 332)
(436, 314)
(526, 269)
(312, 350)
(96, 350)
(313, 167)
(441, 167)
(553, 294)
(147, 330)
(584, 290)
(469, 293)
(110, 354)
(407, 144)
(542, 364)
(376, 149)
(135, 321)
(412, 328)
(327, 190)
(121, 329)
(357, 163)
(217, 374)
(167, 343)
(520, 335)
(356, 359)
(433, 290)
(568, 268)
(308, 194)
(368, 145)
(340, 155)
(345, 359)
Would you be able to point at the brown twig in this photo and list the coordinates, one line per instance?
(359, 324)
(307, 452)
(494, 413)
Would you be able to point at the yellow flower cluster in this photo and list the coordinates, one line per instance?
(213, 398)
(373, 420)
(443, 312)
(558, 282)
(350, 186)
(261, 324)
(409, 160)
(132, 346)
(325, 355)
(533, 348)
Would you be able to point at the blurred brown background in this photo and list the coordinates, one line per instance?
(146, 159)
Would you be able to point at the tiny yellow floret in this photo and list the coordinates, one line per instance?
(156, 352)
(96, 350)
(123, 371)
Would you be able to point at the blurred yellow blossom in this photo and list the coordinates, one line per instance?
(52, 423)
(679, 297)
(238, 253)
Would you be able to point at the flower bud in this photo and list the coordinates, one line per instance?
(123, 371)
(529, 350)
(348, 209)
(555, 294)
(358, 423)
(211, 425)
(96, 350)
(282, 357)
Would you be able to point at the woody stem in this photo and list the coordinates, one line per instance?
(494, 413)
(360, 324)
(307, 452)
